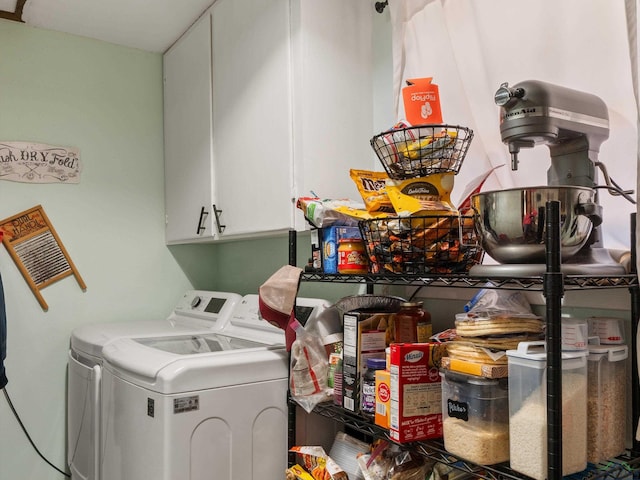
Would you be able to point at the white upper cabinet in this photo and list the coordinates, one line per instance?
(281, 108)
(332, 97)
(252, 134)
(188, 136)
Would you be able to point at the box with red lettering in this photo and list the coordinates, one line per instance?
(416, 393)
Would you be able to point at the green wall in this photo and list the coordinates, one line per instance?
(106, 100)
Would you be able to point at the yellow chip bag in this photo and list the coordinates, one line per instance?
(359, 214)
(429, 195)
(371, 186)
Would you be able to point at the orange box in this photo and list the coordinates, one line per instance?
(421, 101)
(416, 392)
(383, 398)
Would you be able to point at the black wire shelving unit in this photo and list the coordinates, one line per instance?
(553, 283)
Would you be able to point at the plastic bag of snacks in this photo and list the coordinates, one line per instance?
(317, 465)
(309, 370)
(388, 461)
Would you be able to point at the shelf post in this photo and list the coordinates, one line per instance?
(635, 312)
(553, 292)
(293, 247)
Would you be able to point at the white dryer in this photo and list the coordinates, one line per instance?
(199, 406)
(197, 311)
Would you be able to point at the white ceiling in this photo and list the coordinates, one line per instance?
(150, 25)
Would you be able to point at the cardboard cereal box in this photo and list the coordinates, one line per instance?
(364, 337)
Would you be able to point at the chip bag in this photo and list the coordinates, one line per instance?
(429, 195)
(371, 186)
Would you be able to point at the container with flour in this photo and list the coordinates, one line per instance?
(475, 417)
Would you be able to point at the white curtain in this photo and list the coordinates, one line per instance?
(470, 47)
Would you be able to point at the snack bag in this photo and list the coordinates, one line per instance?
(296, 472)
(429, 195)
(321, 466)
(322, 212)
(371, 186)
(360, 214)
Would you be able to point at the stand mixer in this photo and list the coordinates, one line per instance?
(573, 124)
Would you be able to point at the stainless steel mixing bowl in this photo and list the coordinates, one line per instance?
(511, 222)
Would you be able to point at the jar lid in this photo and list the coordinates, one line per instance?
(412, 304)
(376, 363)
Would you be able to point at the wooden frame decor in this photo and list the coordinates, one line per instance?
(39, 163)
(16, 15)
(37, 250)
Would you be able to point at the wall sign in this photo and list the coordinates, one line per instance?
(37, 250)
(39, 163)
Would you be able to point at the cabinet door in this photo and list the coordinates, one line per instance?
(252, 118)
(188, 136)
(333, 97)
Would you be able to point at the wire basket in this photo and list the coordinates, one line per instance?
(422, 150)
(422, 244)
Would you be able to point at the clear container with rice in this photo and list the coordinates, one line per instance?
(475, 417)
(528, 410)
(606, 401)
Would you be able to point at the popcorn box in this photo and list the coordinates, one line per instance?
(416, 392)
(421, 101)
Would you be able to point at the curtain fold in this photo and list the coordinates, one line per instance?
(470, 47)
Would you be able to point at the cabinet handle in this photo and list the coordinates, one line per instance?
(203, 215)
(217, 213)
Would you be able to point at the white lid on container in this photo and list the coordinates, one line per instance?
(613, 353)
(534, 354)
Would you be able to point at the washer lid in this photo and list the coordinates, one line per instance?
(90, 339)
(194, 362)
(193, 344)
(197, 310)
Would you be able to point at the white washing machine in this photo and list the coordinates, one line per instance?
(196, 311)
(199, 406)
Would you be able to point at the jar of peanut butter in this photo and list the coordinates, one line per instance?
(352, 258)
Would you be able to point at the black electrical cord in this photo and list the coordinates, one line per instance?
(6, 395)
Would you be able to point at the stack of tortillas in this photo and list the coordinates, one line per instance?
(481, 341)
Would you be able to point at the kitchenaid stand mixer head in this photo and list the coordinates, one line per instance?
(573, 125)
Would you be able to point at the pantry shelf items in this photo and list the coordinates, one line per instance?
(620, 467)
(553, 283)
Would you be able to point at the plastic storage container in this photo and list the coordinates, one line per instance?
(475, 417)
(575, 334)
(528, 410)
(606, 401)
(608, 330)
